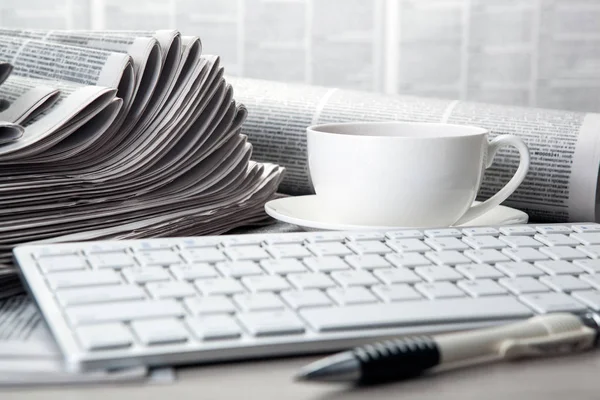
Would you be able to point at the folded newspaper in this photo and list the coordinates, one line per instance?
(563, 179)
(120, 134)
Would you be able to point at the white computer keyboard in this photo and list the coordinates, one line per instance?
(206, 299)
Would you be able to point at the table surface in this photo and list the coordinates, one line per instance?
(571, 377)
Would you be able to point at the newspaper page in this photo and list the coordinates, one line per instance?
(564, 145)
(27, 97)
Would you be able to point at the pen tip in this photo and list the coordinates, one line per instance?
(338, 368)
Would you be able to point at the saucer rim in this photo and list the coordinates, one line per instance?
(314, 224)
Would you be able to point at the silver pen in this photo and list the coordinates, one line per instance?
(403, 358)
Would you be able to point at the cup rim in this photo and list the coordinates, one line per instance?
(462, 131)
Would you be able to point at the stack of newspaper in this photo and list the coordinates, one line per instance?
(120, 135)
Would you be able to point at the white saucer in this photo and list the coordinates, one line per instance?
(306, 213)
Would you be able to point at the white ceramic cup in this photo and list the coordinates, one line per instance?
(405, 174)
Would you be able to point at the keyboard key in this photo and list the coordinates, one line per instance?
(293, 250)
(306, 298)
(552, 302)
(201, 242)
(558, 267)
(258, 302)
(314, 280)
(219, 286)
(592, 279)
(266, 283)
(438, 273)
(100, 294)
(354, 278)
(447, 257)
(62, 263)
(486, 256)
(483, 231)
(485, 242)
(329, 249)
(562, 253)
(521, 241)
(209, 305)
(286, 239)
(591, 251)
(243, 240)
(523, 285)
(158, 257)
(396, 292)
(587, 239)
(564, 283)
(322, 237)
(439, 290)
(369, 247)
(282, 267)
(104, 336)
(515, 269)
(146, 274)
(397, 275)
(517, 231)
(170, 290)
(446, 243)
(436, 233)
(266, 323)
(123, 311)
(214, 327)
(111, 260)
(359, 236)
(589, 297)
(54, 251)
(479, 271)
(159, 331)
(583, 228)
(407, 259)
(326, 264)
(405, 234)
(591, 266)
(556, 240)
(352, 295)
(481, 287)
(246, 253)
(550, 229)
(525, 254)
(203, 255)
(369, 261)
(408, 245)
(238, 269)
(64, 280)
(191, 272)
(155, 244)
(371, 316)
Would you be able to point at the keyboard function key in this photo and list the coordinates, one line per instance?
(246, 253)
(209, 305)
(352, 295)
(405, 234)
(273, 239)
(329, 249)
(323, 237)
(552, 302)
(212, 327)
(160, 331)
(62, 263)
(111, 260)
(367, 236)
(483, 231)
(584, 228)
(298, 299)
(243, 240)
(519, 230)
(201, 242)
(326, 264)
(551, 229)
(268, 323)
(293, 250)
(158, 258)
(104, 336)
(369, 262)
(481, 287)
(207, 255)
(436, 233)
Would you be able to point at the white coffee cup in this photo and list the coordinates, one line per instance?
(405, 174)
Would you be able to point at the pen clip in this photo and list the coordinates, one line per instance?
(552, 345)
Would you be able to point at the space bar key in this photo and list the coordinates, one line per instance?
(415, 312)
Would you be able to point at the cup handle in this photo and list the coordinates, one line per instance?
(497, 143)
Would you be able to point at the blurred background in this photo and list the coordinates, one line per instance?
(521, 52)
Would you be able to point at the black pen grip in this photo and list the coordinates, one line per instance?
(396, 359)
